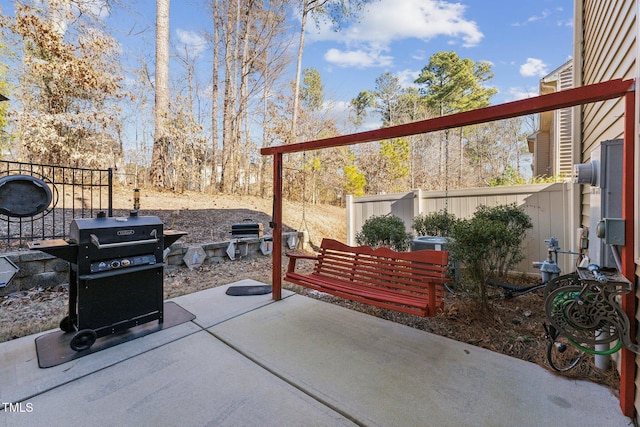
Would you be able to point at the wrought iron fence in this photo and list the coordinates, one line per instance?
(75, 193)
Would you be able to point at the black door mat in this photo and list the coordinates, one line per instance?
(53, 348)
(238, 291)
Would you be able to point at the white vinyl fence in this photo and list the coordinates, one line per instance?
(548, 205)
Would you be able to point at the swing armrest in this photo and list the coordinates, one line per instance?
(293, 256)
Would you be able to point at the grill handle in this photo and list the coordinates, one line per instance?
(96, 242)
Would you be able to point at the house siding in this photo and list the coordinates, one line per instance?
(605, 48)
(553, 142)
(564, 120)
(541, 155)
(608, 53)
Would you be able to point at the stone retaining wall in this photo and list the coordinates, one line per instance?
(41, 270)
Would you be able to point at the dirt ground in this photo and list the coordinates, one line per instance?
(513, 327)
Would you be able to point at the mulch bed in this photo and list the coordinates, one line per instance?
(514, 326)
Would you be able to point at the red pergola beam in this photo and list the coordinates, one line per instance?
(553, 101)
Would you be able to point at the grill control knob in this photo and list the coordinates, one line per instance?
(125, 263)
(115, 264)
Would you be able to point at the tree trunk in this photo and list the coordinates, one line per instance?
(296, 92)
(243, 107)
(214, 96)
(227, 175)
(161, 141)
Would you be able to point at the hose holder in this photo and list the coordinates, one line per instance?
(578, 306)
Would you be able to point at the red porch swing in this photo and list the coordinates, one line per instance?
(568, 98)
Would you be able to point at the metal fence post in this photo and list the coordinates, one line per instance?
(110, 178)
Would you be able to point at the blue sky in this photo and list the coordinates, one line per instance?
(523, 39)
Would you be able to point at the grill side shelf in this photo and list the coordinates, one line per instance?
(56, 247)
(170, 236)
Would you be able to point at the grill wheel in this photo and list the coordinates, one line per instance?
(83, 339)
(66, 325)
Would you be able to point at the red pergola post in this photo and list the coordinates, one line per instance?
(628, 303)
(276, 270)
(553, 101)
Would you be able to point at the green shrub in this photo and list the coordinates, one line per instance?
(434, 224)
(489, 244)
(387, 231)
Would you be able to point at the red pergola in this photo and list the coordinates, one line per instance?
(567, 98)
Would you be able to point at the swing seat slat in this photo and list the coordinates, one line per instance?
(407, 282)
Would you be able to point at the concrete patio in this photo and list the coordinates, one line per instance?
(250, 361)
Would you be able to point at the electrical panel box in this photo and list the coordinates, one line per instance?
(613, 231)
(605, 198)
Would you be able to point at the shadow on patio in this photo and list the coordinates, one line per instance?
(251, 361)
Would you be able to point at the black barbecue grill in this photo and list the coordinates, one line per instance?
(247, 228)
(115, 274)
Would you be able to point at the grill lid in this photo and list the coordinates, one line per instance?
(121, 236)
(246, 229)
(110, 230)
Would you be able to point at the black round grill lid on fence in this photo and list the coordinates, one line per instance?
(23, 196)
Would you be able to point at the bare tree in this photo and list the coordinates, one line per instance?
(270, 65)
(159, 158)
(229, 42)
(185, 127)
(69, 82)
(339, 12)
(215, 92)
(248, 33)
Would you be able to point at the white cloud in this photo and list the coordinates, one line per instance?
(371, 122)
(340, 107)
(516, 93)
(192, 41)
(534, 67)
(543, 15)
(419, 55)
(407, 78)
(387, 21)
(96, 8)
(357, 58)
